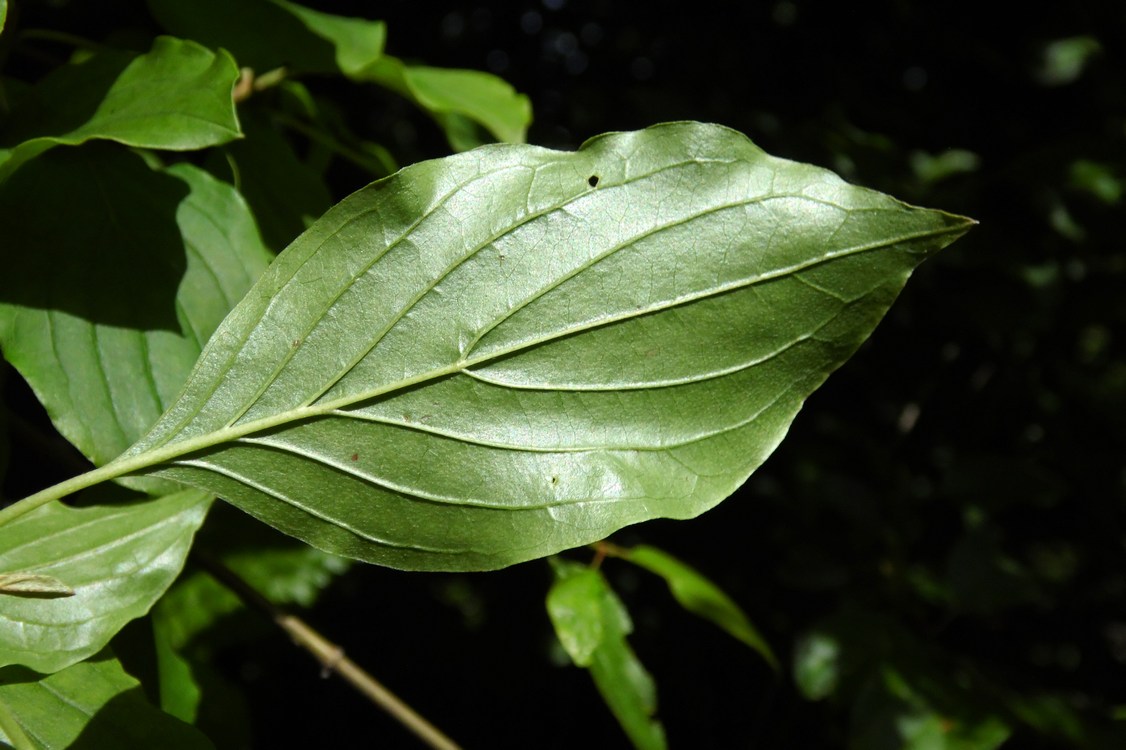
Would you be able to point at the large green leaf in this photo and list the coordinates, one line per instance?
(494, 356)
(176, 96)
(105, 312)
(90, 705)
(592, 624)
(454, 97)
(268, 34)
(700, 596)
(118, 559)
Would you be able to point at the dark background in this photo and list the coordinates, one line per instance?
(947, 510)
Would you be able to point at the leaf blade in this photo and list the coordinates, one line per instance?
(104, 355)
(177, 96)
(94, 702)
(700, 596)
(117, 559)
(592, 624)
(504, 278)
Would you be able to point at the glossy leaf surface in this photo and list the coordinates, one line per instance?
(94, 704)
(488, 358)
(118, 559)
(177, 96)
(105, 313)
(700, 596)
(592, 624)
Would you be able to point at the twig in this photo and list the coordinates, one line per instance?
(330, 655)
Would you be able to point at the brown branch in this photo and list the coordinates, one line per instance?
(330, 655)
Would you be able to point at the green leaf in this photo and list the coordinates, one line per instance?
(592, 624)
(817, 665)
(196, 607)
(93, 704)
(268, 34)
(3, 13)
(454, 96)
(700, 596)
(491, 357)
(118, 559)
(575, 607)
(179, 693)
(104, 353)
(177, 96)
(284, 194)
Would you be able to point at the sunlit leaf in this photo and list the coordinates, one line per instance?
(93, 704)
(592, 624)
(498, 355)
(457, 98)
(701, 597)
(177, 96)
(118, 559)
(105, 313)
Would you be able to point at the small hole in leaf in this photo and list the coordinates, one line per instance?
(592, 180)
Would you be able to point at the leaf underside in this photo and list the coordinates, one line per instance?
(491, 357)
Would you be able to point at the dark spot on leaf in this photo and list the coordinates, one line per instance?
(555, 480)
(592, 180)
(355, 456)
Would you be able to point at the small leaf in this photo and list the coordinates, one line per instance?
(119, 559)
(33, 583)
(574, 604)
(592, 624)
(485, 359)
(177, 96)
(105, 313)
(91, 704)
(268, 34)
(453, 96)
(702, 597)
(3, 14)
(817, 665)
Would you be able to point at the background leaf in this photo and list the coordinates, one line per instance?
(494, 356)
(285, 195)
(198, 611)
(91, 705)
(592, 624)
(119, 559)
(458, 98)
(105, 312)
(701, 597)
(177, 96)
(268, 34)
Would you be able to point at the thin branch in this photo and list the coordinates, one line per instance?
(330, 655)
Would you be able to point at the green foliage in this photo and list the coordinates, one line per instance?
(592, 625)
(117, 558)
(92, 704)
(475, 361)
(700, 596)
(176, 97)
